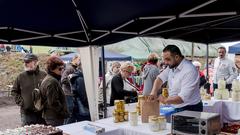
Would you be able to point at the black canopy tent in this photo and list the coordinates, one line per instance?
(76, 23)
(92, 22)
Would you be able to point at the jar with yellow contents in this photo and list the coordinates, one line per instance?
(165, 92)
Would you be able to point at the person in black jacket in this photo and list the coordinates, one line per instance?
(81, 108)
(117, 87)
(23, 87)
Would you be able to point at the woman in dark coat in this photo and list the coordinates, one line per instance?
(55, 108)
(117, 87)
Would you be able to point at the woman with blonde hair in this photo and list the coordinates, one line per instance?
(117, 86)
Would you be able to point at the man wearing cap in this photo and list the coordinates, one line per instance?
(23, 86)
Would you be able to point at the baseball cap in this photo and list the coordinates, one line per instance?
(30, 57)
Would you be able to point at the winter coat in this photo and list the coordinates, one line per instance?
(23, 87)
(65, 81)
(118, 93)
(53, 98)
(78, 87)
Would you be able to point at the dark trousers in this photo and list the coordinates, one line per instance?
(76, 110)
(70, 107)
(28, 118)
(54, 122)
(198, 108)
(228, 86)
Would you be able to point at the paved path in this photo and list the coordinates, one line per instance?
(9, 117)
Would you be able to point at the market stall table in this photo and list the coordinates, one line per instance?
(229, 110)
(141, 129)
(77, 129)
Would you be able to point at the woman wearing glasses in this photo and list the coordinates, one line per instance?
(117, 86)
(55, 108)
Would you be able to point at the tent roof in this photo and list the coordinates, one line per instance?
(140, 48)
(99, 22)
(234, 49)
(109, 56)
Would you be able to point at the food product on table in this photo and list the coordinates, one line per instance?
(133, 118)
(221, 84)
(235, 96)
(126, 115)
(235, 90)
(207, 97)
(165, 92)
(138, 107)
(162, 123)
(217, 94)
(154, 124)
(119, 113)
(33, 130)
(225, 94)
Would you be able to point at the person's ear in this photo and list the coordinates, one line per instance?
(177, 57)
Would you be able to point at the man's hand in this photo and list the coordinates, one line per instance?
(152, 97)
(162, 99)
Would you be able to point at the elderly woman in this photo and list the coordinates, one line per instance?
(150, 72)
(55, 108)
(117, 86)
(203, 80)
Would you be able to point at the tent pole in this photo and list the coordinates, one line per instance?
(207, 74)
(104, 84)
(192, 56)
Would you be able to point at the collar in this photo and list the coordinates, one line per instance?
(221, 58)
(180, 66)
(58, 77)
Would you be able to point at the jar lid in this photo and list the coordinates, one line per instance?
(152, 116)
(161, 118)
(154, 119)
(133, 112)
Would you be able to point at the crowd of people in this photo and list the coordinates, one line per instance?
(63, 93)
(60, 90)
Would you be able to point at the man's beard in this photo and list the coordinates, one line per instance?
(172, 66)
(30, 68)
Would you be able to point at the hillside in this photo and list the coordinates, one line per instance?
(11, 65)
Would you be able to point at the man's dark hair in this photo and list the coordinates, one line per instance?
(173, 49)
(222, 48)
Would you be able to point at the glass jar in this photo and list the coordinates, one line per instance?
(133, 118)
(116, 118)
(165, 92)
(126, 115)
(154, 124)
(162, 123)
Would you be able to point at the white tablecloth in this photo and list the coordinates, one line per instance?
(229, 110)
(77, 129)
(141, 129)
